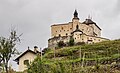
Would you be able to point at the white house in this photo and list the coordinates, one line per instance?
(26, 57)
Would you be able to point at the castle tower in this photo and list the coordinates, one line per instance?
(75, 20)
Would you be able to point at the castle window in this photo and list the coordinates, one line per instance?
(66, 34)
(62, 28)
(75, 38)
(70, 28)
(56, 31)
(67, 30)
(59, 35)
(26, 62)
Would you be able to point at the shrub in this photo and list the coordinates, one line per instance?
(71, 42)
(80, 43)
(61, 44)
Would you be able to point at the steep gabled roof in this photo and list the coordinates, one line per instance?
(89, 21)
(17, 59)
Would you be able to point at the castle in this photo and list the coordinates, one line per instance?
(87, 32)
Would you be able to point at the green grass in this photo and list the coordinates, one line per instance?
(72, 60)
(92, 51)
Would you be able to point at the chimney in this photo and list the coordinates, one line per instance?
(36, 49)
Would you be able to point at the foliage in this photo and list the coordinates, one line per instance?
(95, 58)
(7, 48)
(71, 42)
(61, 44)
(80, 43)
(37, 67)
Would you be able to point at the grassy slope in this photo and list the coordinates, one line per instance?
(102, 50)
(103, 53)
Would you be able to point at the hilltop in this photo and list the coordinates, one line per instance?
(86, 58)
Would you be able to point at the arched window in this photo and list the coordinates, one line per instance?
(59, 35)
(62, 28)
(26, 62)
(66, 34)
(77, 27)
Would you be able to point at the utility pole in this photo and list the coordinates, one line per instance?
(83, 59)
(80, 55)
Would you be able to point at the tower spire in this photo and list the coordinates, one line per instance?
(89, 16)
(75, 15)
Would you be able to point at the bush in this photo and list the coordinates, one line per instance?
(61, 44)
(71, 42)
(80, 43)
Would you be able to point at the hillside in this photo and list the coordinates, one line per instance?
(89, 58)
